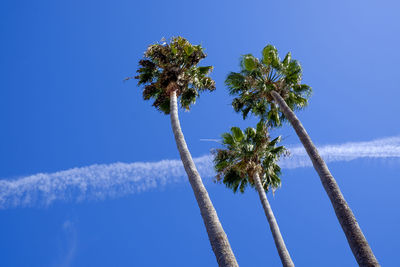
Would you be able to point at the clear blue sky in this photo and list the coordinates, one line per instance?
(63, 104)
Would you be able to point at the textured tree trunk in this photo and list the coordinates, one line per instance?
(356, 239)
(218, 239)
(276, 233)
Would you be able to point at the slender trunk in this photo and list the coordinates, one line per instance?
(276, 233)
(356, 239)
(218, 239)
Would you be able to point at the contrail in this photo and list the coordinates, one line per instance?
(379, 148)
(95, 182)
(102, 181)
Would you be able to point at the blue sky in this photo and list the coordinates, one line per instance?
(63, 105)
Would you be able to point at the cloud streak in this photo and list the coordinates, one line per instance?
(379, 148)
(100, 181)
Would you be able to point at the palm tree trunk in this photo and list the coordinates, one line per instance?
(356, 239)
(276, 233)
(218, 239)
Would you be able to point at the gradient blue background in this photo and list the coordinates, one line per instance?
(63, 104)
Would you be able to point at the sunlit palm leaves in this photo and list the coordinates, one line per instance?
(173, 66)
(258, 77)
(246, 153)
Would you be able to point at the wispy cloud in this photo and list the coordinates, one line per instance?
(379, 148)
(94, 182)
(69, 245)
(102, 181)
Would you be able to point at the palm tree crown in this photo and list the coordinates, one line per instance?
(173, 66)
(259, 77)
(245, 154)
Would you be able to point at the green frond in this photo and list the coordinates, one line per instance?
(232, 180)
(188, 50)
(260, 107)
(287, 59)
(270, 56)
(249, 62)
(303, 90)
(237, 104)
(150, 91)
(261, 128)
(277, 151)
(275, 141)
(243, 185)
(237, 133)
(188, 97)
(293, 73)
(246, 111)
(205, 70)
(273, 116)
(270, 178)
(197, 79)
(147, 72)
(221, 160)
(227, 139)
(235, 82)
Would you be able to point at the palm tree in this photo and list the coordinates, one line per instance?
(264, 84)
(250, 158)
(168, 72)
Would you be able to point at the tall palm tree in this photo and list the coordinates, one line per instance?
(261, 87)
(168, 72)
(250, 157)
